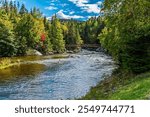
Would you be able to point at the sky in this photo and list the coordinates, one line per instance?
(66, 9)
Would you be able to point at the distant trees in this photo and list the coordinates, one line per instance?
(90, 30)
(73, 37)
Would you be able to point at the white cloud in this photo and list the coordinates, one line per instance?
(61, 15)
(52, 4)
(85, 6)
(91, 16)
(79, 2)
(91, 8)
(72, 12)
(51, 8)
(48, 18)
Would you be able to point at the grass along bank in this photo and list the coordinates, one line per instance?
(12, 61)
(8, 62)
(122, 86)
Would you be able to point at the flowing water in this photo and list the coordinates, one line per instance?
(46, 78)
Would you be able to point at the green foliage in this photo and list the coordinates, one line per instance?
(72, 37)
(22, 31)
(91, 29)
(122, 86)
(127, 33)
(23, 10)
(139, 89)
(36, 13)
(56, 36)
(32, 31)
(7, 43)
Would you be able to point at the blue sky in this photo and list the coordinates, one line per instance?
(66, 9)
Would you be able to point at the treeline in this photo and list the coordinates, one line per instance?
(123, 30)
(90, 29)
(126, 35)
(21, 30)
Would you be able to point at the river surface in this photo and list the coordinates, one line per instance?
(46, 78)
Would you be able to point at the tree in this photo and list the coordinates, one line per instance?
(91, 29)
(56, 36)
(36, 13)
(73, 37)
(23, 10)
(7, 41)
(6, 6)
(126, 35)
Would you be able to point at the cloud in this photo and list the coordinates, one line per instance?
(48, 18)
(85, 6)
(61, 15)
(52, 4)
(51, 8)
(71, 12)
(91, 8)
(79, 2)
(91, 16)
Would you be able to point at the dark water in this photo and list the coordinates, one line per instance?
(67, 78)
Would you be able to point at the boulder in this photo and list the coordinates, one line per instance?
(33, 52)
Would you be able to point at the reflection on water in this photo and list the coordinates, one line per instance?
(45, 78)
(12, 73)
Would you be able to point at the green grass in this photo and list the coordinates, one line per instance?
(139, 89)
(122, 87)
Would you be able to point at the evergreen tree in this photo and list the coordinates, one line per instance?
(23, 10)
(57, 36)
(7, 41)
(36, 13)
(73, 37)
(6, 6)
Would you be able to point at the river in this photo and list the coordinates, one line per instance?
(45, 78)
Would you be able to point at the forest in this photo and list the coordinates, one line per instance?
(122, 29)
(22, 30)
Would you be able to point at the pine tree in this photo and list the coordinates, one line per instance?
(57, 36)
(73, 37)
(23, 10)
(36, 13)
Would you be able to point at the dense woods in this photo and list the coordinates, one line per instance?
(123, 30)
(127, 33)
(21, 30)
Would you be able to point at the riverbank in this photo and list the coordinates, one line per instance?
(13, 61)
(121, 86)
(8, 62)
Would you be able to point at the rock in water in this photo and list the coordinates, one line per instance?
(32, 52)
